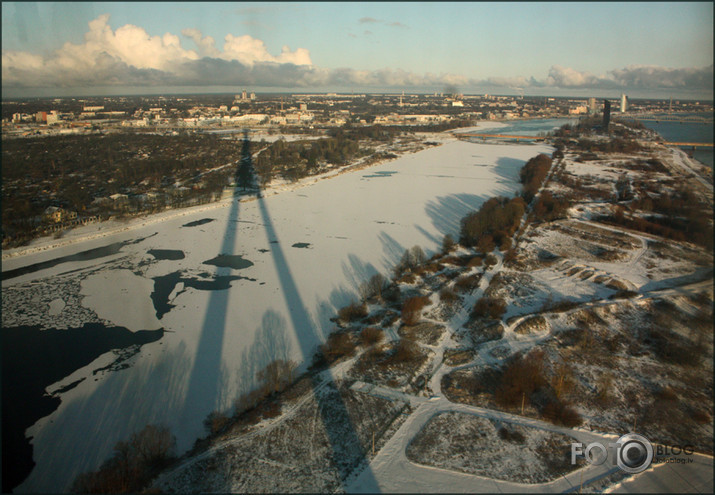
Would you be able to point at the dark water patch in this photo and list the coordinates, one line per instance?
(69, 387)
(164, 285)
(141, 239)
(301, 245)
(196, 223)
(167, 254)
(32, 360)
(235, 261)
(90, 254)
(384, 173)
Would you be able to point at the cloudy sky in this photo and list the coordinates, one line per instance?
(561, 49)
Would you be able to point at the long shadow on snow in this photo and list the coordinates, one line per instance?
(336, 420)
(206, 375)
(446, 212)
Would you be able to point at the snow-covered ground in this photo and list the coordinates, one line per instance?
(303, 254)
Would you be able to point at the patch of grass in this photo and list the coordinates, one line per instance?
(371, 335)
(468, 283)
(352, 312)
(412, 309)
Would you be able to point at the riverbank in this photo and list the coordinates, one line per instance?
(112, 227)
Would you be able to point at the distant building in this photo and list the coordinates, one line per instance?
(606, 114)
(93, 109)
(57, 215)
(624, 103)
(592, 105)
(41, 117)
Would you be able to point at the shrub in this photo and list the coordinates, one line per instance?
(215, 422)
(475, 261)
(490, 260)
(412, 309)
(277, 375)
(374, 286)
(352, 312)
(496, 214)
(504, 244)
(522, 376)
(338, 345)
(489, 306)
(512, 436)
(467, 283)
(549, 208)
(133, 464)
(532, 175)
(370, 336)
(604, 388)
(666, 393)
(701, 416)
(406, 351)
(411, 259)
(485, 244)
(561, 413)
(448, 244)
(448, 295)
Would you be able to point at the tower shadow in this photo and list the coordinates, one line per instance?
(334, 414)
(206, 374)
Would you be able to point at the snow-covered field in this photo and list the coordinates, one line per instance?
(300, 255)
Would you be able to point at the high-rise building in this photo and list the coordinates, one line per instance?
(606, 114)
(592, 105)
(624, 103)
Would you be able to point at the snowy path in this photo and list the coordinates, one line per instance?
(393, 472)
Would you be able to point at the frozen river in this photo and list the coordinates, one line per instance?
(233, 287)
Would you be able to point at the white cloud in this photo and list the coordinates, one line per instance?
(129, 56)
(205, 44)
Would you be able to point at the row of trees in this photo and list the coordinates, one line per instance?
(497, 218)
(532, 175)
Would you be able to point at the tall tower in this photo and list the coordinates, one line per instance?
(606, 114)
(624, 103)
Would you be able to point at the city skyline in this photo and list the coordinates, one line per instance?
(646, 50)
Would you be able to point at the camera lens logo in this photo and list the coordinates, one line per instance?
(634, 453)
